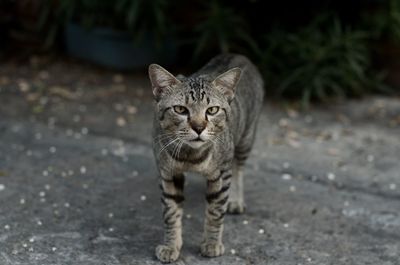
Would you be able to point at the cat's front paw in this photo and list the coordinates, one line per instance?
(167, 254)
(212, 249)
(236, 207)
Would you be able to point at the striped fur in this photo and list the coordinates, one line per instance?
(204, 123)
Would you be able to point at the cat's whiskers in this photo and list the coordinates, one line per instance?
(166, 136)
(175, 154)
(168, 144)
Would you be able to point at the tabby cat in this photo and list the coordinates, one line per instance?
(204, 123)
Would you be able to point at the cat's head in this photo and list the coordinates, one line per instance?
(194, 109)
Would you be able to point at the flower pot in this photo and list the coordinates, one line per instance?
(117, 49)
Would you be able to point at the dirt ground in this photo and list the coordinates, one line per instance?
(78, 183)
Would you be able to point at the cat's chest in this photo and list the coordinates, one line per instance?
(203, 165)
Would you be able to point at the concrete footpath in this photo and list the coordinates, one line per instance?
(78, 183)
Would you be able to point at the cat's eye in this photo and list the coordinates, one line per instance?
(181, 110)
(212, 110)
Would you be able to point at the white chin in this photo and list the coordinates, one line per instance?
(196, 144)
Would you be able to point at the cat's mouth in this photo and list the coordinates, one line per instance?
(198, 139)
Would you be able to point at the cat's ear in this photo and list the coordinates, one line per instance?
(161, 79)
(227, 82)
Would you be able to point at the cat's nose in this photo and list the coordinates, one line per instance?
(198, 127)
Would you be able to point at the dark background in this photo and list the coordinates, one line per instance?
(307, 50)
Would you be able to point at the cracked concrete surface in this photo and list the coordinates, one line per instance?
(78, 183)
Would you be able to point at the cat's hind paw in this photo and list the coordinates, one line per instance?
(167, 254)
(212, 249)
(236, 207)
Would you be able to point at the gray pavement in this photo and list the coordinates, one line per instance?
(78, 183)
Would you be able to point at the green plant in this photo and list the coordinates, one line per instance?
(136, 16)
(385, 23)
(221, 28)
(320, 61)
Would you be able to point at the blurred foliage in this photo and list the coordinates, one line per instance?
(385, 22)
(321, 61)
(221, 28)
(136, 16)
(301, 55)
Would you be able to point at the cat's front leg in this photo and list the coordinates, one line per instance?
(172, 198)
(217, 198)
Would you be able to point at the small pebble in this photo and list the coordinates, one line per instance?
(111, 229)
(39, 223)
(346, 203)
(67, 205)
(53, 249)
(233, 252)
(84, 130)
(76, 118)
(104, 152)
(85, 186)
(143, 197)
(286, 225)
(261, 231)
(22, 201)
(29, 153)
(188, 216)
(370, 158)
(82, 108)
(286, 165)
(44, 74)
(45, 173)
(31, 240)
(392, 186)
(69, 132)
(118, 78)
(131, 109)
(283, 122)
(135, 173)
(83, 169)
(70, 172)
(121, 122)
(292, 188)
(24, 245)
(7, 227)
(38, 136)
(110, 215)
(30, 249)
(245, 222)
(118, 106)
(286, 177)
(47, 187)
(42, 194)
(331, 176)
(2, 187)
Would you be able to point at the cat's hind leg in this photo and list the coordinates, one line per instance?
(236, 201)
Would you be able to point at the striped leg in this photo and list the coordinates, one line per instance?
(217, 198)
(236, 201)
(172, 198)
